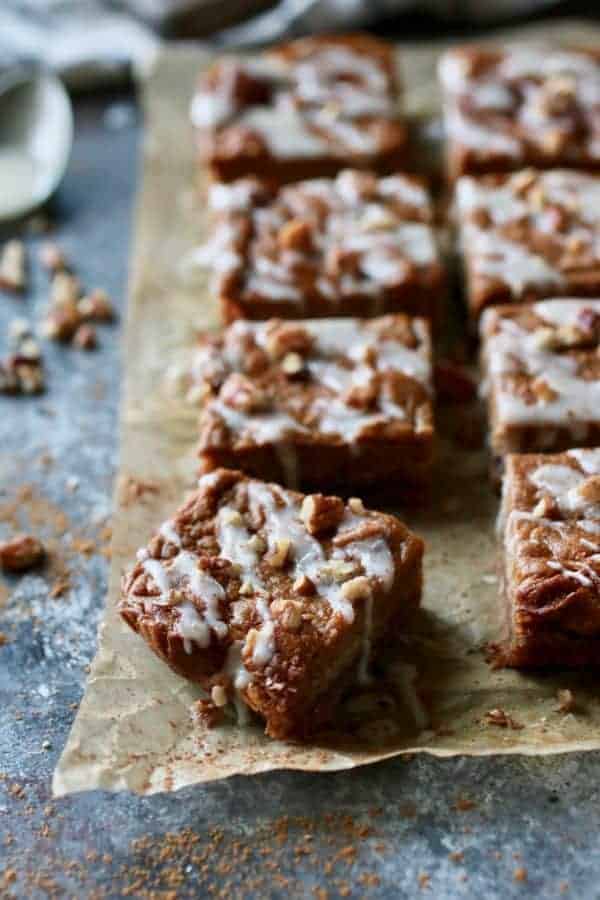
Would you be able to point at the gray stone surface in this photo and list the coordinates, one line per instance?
(542, 815)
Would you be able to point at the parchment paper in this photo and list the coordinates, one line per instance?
(134, 729)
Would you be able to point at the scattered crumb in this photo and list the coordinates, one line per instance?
(20, 553)
(52, 257)
(502, 719)
(463, 804)
(85, 338)
(12, 266)
(134, 489)
(520, 874)
(424, 881)
(566, 701)
(457, 856)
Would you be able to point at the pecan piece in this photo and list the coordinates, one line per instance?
(240, 393)
(12, 266)
(20, 553)
(321, 514)
(295, 235)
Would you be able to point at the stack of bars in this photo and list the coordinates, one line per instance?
(325, 264)
(523, 130)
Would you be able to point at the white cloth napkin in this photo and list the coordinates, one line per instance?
(92, 43)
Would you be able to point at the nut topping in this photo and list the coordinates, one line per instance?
(12, 266)
(295, 235)
(20, 553)
(321, 514)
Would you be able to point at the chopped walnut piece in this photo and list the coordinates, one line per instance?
(320, 513)
(543, 391)
(52, 257)
(12, 266)
(502, 719)
(304, 586)
(589, 489)
(20, 553)
(65, 289)
(356, 506)
(279, 556)
(284, 338)
(207, 713)
(523, 180)
(295, 235)
(546, 339)
(292, 364)
(61, 322)
(218, 695)
(85, 337)
(240, 393)
(257, 544)
(356, 589)
(566, 701)
(544, 508)
(97, 306)
(21, 374)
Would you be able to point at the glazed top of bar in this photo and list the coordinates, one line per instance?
(351, 235)
(327, 380)
(309, 98)
(542, 362)
(557, 486)
(247, 569)
(522, 100)
(530, 229)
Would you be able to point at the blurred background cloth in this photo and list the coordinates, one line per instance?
(95, 42)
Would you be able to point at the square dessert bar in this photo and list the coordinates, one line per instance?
(542, 375)
(319, 403)
(550, 523)
(302, 110)
(529, 235)
(352, 245)
(525, 105)
(272, 599)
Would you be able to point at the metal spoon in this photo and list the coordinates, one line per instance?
(36, 135)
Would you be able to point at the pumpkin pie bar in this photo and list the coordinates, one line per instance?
(550, 526)
(270, 599)
(529, 235)
(319, 403)
(350, 245)
(525, 105)
(542, 375)
(304, 109)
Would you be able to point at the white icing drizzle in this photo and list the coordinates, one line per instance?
(589, 460)
(563, 483)
(577, 400)
(537, 70)
(305, 92)
(337, 360)
(263, 427)
(514, 264)
(370, 225)
(193, 625)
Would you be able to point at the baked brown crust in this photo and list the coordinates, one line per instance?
(529, 235)
(319, 402)
(542, 375)
(352, 245)
(553, 593)
(510, 107)
(304, 109)
(272, 599)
